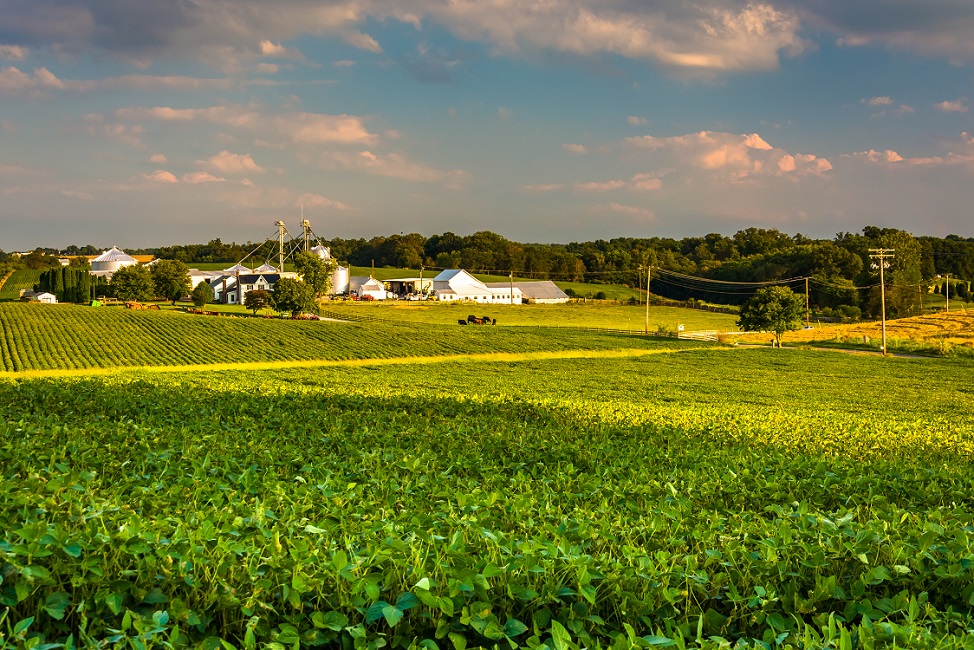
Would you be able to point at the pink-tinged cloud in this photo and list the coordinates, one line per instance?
(636, 212)
(160, 176)
(574, 148)
(13, 81)
(13, 52)
(309, 200)
(544, 187)
(885, 156)
(277, 51)
(298, 127)
(635, 120)
(159, 159)
(125, 133)
(392, 165)
(956, 106)
(645, 182)
(735, 157)
(194, 178)
(232, 163)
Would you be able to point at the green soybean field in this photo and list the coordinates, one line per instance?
(699, 498)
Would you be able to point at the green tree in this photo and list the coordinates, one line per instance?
(316, 272)
(133, 283)
(171, 279)
(292, 296)
(773, 309)
(202, 293)
(256, 300)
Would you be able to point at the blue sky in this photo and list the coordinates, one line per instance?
(175, 121)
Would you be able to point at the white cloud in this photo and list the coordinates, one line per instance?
(363, 41)
(232, 163)
(956, 106)
(879, 101)
(574, 148)
(295, 127)
(13, 52)
(635, 120)
(602, 186)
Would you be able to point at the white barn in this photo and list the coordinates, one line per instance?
(458, 285)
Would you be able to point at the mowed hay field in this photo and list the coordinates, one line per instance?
(409, 484)
(940, 332)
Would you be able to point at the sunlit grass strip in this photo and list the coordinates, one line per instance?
(488, 357)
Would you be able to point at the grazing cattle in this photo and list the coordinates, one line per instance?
(461, 322)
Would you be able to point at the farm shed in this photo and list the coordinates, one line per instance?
(46, 298)
(457, 284)
(543, 292)
(367, 287)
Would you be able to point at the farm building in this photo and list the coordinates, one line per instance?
(457, 284)
(368, 287)
(405, 286)
(541, 292)
(340, 277)
(107, 263)
(46, 298)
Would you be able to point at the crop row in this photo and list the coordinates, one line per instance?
(650, 502)
(40, 337)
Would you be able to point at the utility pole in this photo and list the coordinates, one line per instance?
(806, 303)
(512, 287)
(947, 291)
(881, 255)
(421, 292)
(649, 271)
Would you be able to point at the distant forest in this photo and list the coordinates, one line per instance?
(715, 268)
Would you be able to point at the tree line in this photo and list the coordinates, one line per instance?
(714, 268)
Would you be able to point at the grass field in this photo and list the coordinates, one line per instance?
(709, 498)
(597, 314)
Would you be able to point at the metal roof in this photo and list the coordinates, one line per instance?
(114, 255)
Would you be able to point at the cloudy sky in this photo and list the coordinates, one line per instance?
(173, 121)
